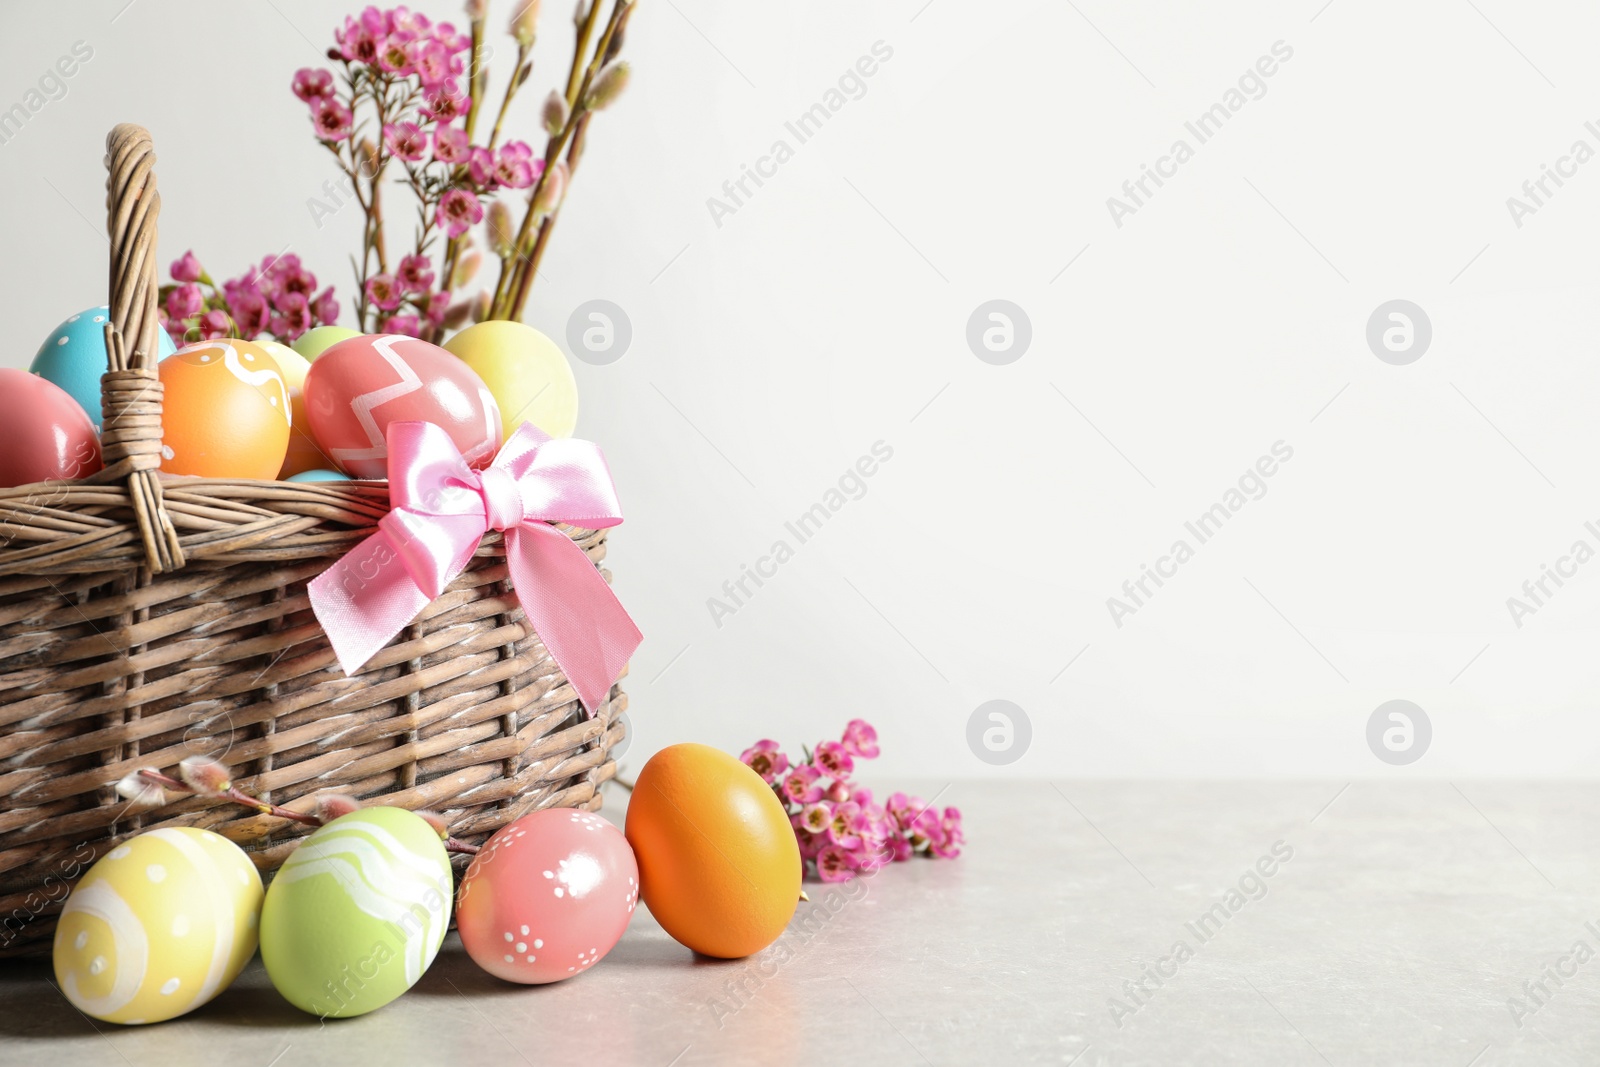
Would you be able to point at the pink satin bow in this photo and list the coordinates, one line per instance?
(440, 510)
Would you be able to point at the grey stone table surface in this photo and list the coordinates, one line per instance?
(1088, 922)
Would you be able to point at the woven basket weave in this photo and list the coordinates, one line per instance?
(143, 620)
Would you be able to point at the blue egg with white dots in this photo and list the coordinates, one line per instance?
(318, 476)
(74, 357)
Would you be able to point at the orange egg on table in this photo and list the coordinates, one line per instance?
(225, 411)
(718, 864)
(303, 454)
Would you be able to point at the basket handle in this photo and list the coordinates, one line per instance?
(130, 391)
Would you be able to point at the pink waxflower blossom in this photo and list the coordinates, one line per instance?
(924, 828)
(331, 119)
(293, 316)
(415, 274)
(764, 758)
(458, 212)
(839, 827)
(902, 809)
(187, 268)
(834, 759)
(446, 102)
(480, 164)
(214, 324)
(860, 739)
(402, 324)
(810, 843)
(813, 819)
(947, 839)
(514, 168)
(186, 301)
(452, 39)
(312, 84)
(450, 144)
(406, 140)
(437, 308)
(800, 784)
(843, 830)
(358, 41)
(431, 63)
(326, 307)
(252, 314)
(394, 52)
(403, 18)
(836, 864)
(283, 275)
(384, 291)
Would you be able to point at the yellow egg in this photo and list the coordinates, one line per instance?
(303, 454)
(526, 372)
(158, 926)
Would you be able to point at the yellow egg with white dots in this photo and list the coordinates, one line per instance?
(158, 926)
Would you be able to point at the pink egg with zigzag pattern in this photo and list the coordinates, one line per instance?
(357, 387)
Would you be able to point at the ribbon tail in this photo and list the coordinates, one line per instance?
(580, 620)
(364, 599)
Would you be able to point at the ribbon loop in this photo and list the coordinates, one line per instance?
(440, 511)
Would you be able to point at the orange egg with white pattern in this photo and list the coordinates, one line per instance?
(226, 411)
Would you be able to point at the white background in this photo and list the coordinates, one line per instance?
(829, 312)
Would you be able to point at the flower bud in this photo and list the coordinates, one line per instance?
(581, 12)
(204, 775)
(476, 10)
(501, 232)
(137, 791)
(480, 306)
(458, 314)
(608, 85)
(555, 112)
(466, 269)
(524, 22)
(553, 189)
(331, 806)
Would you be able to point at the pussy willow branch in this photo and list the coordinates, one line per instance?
(605, 52)
(263, 807)
(512, 294)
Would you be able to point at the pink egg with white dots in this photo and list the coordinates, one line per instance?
(548, 896)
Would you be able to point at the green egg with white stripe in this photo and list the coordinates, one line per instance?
(158, 926)
(357, 913)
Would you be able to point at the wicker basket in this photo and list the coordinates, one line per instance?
(144, 620)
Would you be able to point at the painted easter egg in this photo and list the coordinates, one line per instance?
(318, 476)
(158, 926)
(226, 411)
(526, 372)
(548, 896)
(44, 434)
(357, 912)
(718, 864)
(302, 453)
(360, 385)
(318, 339)
(74, 357)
